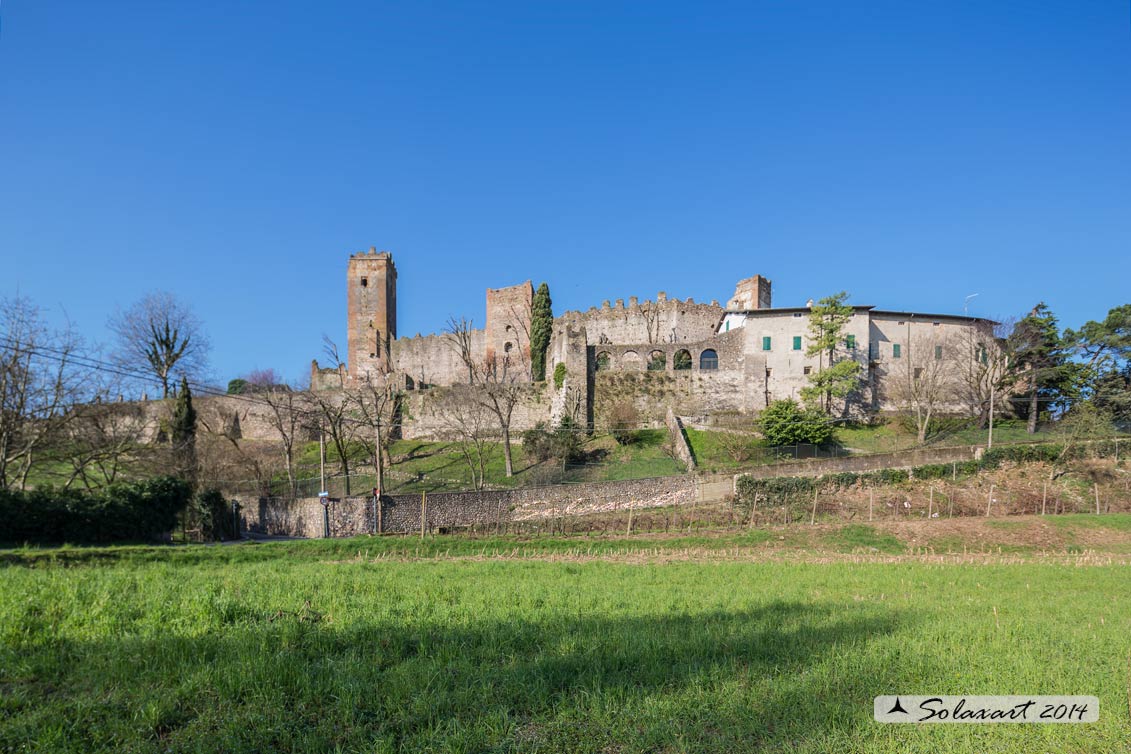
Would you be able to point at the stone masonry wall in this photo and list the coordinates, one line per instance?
(433, 360)
(437, 412)
(662, 321)
(401, 513)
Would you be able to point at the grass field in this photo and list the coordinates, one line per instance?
(770, 640)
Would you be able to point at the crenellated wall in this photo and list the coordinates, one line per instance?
(662, 321)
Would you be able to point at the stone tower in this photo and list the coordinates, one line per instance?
(751, 293)
(371, 320)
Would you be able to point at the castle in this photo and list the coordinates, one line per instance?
(698, 359)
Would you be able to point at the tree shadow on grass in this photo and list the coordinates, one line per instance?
(785, 675)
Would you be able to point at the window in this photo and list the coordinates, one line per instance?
(709, 359)
(850, 342)
(765, 342)
(807, 370)
(631, 361)
(895, 350)
(901, 322)
(936, 324)
(938, 353)
(727, 328)
(682, 360)
(918, 372)
(797, 315)
(796, 342)
(657, 361)
(874, 351)
(602, 362)
(365, 282)
(507, 347)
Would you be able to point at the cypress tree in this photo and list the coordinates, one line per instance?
(541, 327)
(183, 432)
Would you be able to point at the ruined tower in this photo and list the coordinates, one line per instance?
(371, 301)
(508, 323)
(751, 293)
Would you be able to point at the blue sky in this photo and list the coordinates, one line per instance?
(911, 153)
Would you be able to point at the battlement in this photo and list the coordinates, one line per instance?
(373, 254)
(635, 306)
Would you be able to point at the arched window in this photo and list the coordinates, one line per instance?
(507, 347)
(657, 361)
(681, 360)
(709, 359)
(603, 361)
(631, 361)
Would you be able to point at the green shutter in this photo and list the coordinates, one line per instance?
(796, 342)
(765, 342)
(895, 350)
(850, 342)
(938, 352)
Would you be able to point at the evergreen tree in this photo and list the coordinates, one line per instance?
(784, 422)
(541, 327)
(1104, 352)
(834, 378)
(183, 432)
(1042, 354)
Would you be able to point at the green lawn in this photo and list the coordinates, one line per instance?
(393, 645)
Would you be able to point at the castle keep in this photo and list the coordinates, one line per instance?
(698, 359)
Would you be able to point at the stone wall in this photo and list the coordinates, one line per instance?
(662, 321)
(679, 440)
(434, 360)
(438, 412)
(454, 510)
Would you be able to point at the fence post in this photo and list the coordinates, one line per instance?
(871, 502)
(1044, 496)
(931, 502)
(1096, 488)
(813, 515)
(989, 501)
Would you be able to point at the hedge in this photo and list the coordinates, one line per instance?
(791, 490)
(123, 512)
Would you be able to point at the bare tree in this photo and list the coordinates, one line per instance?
(500, 393)
(288, 415)
(376, 399)
(331, 413)
(103, 440)
(983, 368)
(330, 348)
(457, 334)
(467, 423)
(924, 384)
(651, 314)
(160, 334)
(40, 379)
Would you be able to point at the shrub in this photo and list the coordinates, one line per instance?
(237, 386)
(562, 443)
(212, 515)
(786, 423)
(139, 511)
(537, 442)
(559, 375)
(622, 421)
